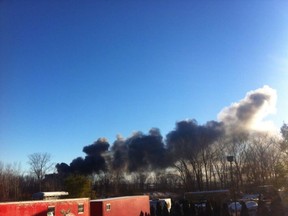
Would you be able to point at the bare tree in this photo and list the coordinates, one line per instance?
(9, 181)
(40, 164)
(284, 143)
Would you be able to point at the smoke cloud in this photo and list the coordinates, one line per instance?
(250, 112)
(140, 151)
(149, 151)
(189, 137)
(146, 151)
(93, 161)
(97, 148)
(120, 155)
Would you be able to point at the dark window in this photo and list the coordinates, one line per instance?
(81, 208)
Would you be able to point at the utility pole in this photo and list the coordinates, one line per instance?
(230, 159)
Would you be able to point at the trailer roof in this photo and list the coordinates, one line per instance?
(49, 195)
(116, 198)
(46, 201)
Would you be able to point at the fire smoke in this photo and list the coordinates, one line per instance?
(249, 113)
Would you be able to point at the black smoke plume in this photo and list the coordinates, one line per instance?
(148, 151)
(97, 148)
(120, 153)
(140, 151)
(189, 137)
(63, 168)
(92, 163)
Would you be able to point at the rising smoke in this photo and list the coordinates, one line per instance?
(120, 153)
(249, 113)
(149, 151)
(92, 163)
(140, 151)
(189, 136)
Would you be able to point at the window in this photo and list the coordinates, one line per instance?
(51, 211)
(108, 207)
(80, 208)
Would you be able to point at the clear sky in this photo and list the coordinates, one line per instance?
(74, 71)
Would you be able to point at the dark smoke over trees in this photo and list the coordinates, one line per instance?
(140, 151)
(146, 151)
(120, 150)
(189, 145)
(63, 168)
(92, 163)
(191, 157)
(192, 154)
(189, 138)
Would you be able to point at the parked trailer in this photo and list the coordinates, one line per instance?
(121, 206)
(58, 207)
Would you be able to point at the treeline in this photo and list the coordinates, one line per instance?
(14, 185)
(191, 157)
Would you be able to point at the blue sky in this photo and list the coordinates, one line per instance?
(74, 71)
